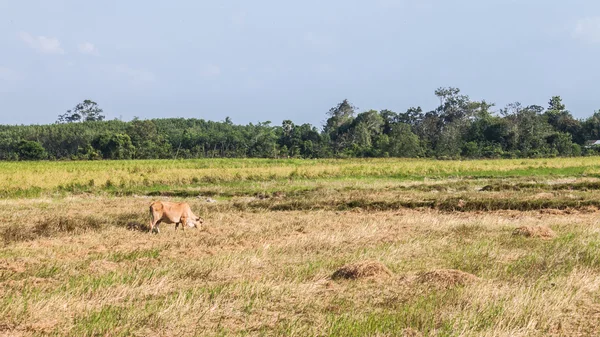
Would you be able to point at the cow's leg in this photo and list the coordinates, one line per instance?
(155, 219)
(154, 224)
(183, 222)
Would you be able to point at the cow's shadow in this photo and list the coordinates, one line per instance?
(137, 226)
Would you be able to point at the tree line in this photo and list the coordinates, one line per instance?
(458, 128)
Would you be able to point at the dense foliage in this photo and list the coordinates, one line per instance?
(457, 128)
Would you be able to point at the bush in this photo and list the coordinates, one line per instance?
(471, 150)
(31, 150)
(114, 146)
(576, 151)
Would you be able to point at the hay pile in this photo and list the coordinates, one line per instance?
(12, 267)
(364, 269)
(445, 278)
(589, 209)
(543, 232)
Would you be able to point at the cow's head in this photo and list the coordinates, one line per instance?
(195, 222)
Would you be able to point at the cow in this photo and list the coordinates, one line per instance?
(173, 212)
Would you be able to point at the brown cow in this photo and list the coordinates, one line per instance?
(172, 212)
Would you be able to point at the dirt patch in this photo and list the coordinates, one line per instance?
(44, 327)
(6, 328)
(12, 267)
(364, 269)
(543, 232)
(446, 278)
(552, 211)
(31, 282)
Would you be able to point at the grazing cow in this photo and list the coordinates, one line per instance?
(173, 212)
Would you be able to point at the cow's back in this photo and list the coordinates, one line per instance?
(157, 206)
(169, 210)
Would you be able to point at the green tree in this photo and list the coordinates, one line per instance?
(114, 146)
(450, 140)
(339, 115)
(86, 111)
(365, 130)
(147, 140)
(556, 104)
(453, 106)
(412, 116)
(562, 121)
(8, 146)
(471, 150)
(263, 142)
(562, 144)
(428, 130)
(31, 150)
(591, 127)
(403, 142)
(338, 129)
(389, 118)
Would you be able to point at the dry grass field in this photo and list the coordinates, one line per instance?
(302, 248)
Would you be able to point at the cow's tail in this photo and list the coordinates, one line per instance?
(151, 209)
(151, 213)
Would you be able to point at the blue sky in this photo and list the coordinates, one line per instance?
(274, 60)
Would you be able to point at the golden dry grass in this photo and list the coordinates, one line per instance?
(264, 264)
(268, 273)
(541, 231)
(445, 278)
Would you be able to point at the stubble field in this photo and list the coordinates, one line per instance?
(381, 247)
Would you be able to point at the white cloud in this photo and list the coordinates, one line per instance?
(135, 76)
(211, 70)
(43, 44)
(588, 29)
(88, 48)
